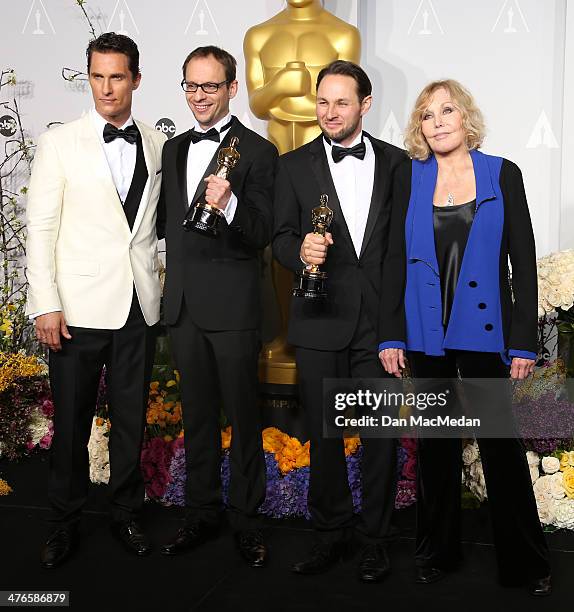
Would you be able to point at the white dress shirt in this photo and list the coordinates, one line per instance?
(198, 158)
(121, 157)
(354, 179)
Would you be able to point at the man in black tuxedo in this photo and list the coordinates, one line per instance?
(212, 302)
(337, 337)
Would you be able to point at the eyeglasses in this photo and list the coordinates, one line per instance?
(209, 88)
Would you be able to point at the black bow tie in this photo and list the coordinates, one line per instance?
(130, 134)
(211, 134)
(357, 151)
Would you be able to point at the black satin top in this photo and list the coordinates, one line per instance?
(451, 228)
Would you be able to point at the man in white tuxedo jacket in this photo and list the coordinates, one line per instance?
(94, 291)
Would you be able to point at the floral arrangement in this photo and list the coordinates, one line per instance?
(555, 282)
(26, 408)
(5, 488)
(554, 489)
(287, 463)
(552, 478)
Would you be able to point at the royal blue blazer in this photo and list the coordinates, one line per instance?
(490, 313)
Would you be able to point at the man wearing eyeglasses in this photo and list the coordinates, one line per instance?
(212, 303)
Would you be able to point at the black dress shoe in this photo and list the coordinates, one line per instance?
(324, 555)
(59, 546)
(251, 547)
(131, 535)
(428, 575)
(541, 587)
(189, 536)
(374, 564)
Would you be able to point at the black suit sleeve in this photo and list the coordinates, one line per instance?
(522, 253)
(392, 319)
(253, 217)
(287, 237)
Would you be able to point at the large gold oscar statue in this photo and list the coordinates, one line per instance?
(283, 57)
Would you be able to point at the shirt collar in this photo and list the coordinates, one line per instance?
(99, 123)
(217, 126)
(329, 143)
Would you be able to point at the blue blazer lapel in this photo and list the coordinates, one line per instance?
(421, 228)
(484, 188)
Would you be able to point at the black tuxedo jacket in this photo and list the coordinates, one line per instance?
(219, 277)
(353, 283)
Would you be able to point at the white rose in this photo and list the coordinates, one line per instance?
(542, 487)
(546, 512)
(470, 453)
(550, 464)
(477, 483)
(557, 486)
(99, 455)
(564, 513)
(534, 473)
(554, 297)
(532, 458)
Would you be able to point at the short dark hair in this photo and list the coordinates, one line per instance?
(364, 87)
(110, 42)
(223, 57)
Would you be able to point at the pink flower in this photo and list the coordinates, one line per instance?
(47, 408)
(46, 441)
(410, 468)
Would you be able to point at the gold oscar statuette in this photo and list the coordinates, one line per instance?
(204, 217)
(311, 281)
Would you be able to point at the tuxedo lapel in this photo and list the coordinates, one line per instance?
(380, 190)
(181, 168)
(234, 130)
(150, 162)
(320, 167)
(96, 159)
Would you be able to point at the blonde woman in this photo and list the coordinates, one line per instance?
(458, 217)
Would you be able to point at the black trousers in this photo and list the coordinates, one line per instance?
(218, 370)
(75, 373)
(521, 549)
(329, 497)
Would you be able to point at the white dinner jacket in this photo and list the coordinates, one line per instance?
(82, 257)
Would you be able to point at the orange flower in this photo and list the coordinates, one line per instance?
(99, 421)
(226, 437)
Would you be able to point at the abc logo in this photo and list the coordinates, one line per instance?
(7, 125)
(166, 126)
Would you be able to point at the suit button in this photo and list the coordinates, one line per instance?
(489, 327)
(473, 284)
(482, 305)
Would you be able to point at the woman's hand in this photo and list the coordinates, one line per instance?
(521, 368)
(393, 361)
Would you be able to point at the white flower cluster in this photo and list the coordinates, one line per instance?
(555, 507)
(472, 473)
(99, 455)
(555, 282)
(39, 426)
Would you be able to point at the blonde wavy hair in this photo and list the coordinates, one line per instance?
(472, 119)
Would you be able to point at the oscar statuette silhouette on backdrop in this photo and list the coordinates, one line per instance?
(283, 57)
